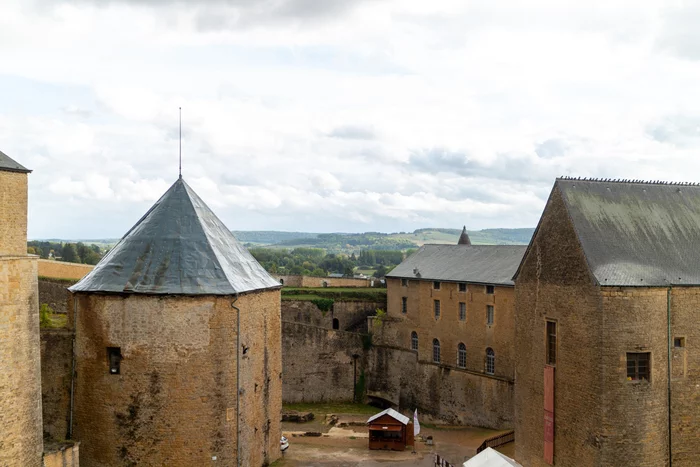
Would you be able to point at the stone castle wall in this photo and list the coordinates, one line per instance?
(56, 368)
(54, 292)
(174, 401)
(351, 316)
(13, 213)
(444, 393)
(318, 363)
(20, 376)
(309, 281)
(62, 270)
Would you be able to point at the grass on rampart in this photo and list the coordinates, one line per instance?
(333, 407)
(339, 294)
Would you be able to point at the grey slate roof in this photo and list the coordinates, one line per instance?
(10, 165)
(636, 234)
(484, 264)
(178, 247)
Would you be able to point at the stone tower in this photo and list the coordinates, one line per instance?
(21, 438)
(178, 346)
(464, 237)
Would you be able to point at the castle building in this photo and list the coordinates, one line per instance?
(450, 311)
(607, 300)
(21, 437)
(178, 346)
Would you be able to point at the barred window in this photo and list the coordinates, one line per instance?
(462, 356)
(404, 305)
(462, 287)
(551, 343)
(490, 361)
(436, 351)
(489, 314)
(436, 285)
(462, 311)
(436, 304)
(490, 289)
(638, 366)
(414, 340)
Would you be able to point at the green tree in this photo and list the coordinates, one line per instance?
(69, 254)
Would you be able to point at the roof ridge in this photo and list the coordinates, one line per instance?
(624, 180)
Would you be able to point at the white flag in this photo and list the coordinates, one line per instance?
(416, 425)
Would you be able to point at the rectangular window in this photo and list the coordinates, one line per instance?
(436, 304)
(462, 287)
(489, 314)
(638, 366)
(551, 343)
(404, 282)
(404, 305)
(462, 311)
(679, 342)
(114, 357)
(490, 289)
(436, 285)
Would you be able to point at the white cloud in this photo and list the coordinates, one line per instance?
(365, 115)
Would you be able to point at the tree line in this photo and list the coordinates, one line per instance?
(316, 262)
(68, 252)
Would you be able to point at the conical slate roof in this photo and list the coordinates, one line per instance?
(464, 238)
(178, 247)
(10, 165)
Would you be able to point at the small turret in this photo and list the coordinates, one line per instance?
(464, 238)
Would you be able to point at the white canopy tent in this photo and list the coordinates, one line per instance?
(490, 458)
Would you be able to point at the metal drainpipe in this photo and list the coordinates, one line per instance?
(238, 379)
(72, 375)
(668, 327)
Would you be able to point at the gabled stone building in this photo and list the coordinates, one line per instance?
(178, 346)
(450, 316)
(608, 325)
(21, 438)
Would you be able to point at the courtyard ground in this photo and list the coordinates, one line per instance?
(345, 444)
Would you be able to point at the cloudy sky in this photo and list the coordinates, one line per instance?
(341, 115)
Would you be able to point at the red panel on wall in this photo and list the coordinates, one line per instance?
(549, 388)
(549, 415)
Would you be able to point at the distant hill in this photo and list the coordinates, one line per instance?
(351, 242)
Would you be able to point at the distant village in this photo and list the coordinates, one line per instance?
(179, 348)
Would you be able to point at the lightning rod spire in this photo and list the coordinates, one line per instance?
(180, 170)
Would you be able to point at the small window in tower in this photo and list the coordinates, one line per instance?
(414, 340)
(114, 357)
(551, 356)
(638, 366)
(679, 342)
(462, 311)
(404, 282)
(490, 289)
(404, 305)
(462, 287)
(336, 323)
(436, 285)
(436, 305)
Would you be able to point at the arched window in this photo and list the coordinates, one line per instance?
(436, 351)
(414, 340)
(462, 355)
(325, 283)
(490, 361)
(336, 323)
(281, 281)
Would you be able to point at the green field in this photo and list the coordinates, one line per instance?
(342, 294)
(334, 408)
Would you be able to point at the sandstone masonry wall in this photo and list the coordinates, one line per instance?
(63, 270)
(309, 281)
(56, 367)
(54, 293)
(174, 401)
(20, 376)
(13, 213)
(318, 363)
(351, 316)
